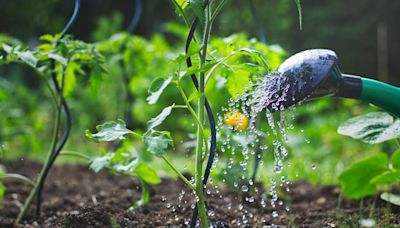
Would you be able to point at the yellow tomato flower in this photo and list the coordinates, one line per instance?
(237, 120)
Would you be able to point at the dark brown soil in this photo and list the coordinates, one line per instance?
(76, 197)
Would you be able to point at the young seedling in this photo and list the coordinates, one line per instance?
(54, 61)
(123, 161)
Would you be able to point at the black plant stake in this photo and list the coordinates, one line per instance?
(57, 144)
(136, 17)
(63, 140)
(209, 113)
(129, 96)
(258, 23)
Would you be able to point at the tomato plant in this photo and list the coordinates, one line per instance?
(239, 65)
(58, 60)
(123, 160)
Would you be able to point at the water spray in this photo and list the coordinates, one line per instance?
(315, 73)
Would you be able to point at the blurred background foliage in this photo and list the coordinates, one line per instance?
(364, 33)
(352, 28)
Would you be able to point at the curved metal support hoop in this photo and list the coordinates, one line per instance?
(73, 18)
(131, 28)
(136, 17)
(258, 23)
(63, 140)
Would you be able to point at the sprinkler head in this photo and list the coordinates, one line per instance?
(311, 74)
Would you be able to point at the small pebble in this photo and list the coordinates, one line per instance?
(220, 224)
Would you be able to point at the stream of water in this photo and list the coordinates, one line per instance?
(263, 102)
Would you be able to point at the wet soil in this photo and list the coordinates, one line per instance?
(76, 197)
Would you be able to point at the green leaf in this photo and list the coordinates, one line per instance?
(198, 9)
(237, 82)
(120, 161)
(45, 47)
(96, 76)
(388, 177)
(7, 48)
(147, 174)
(373, 128)
(233, 174)
(298, 4)
(27, 57)
(125, 168)
(109, 131)
(157, 142)
(48, 38)
(2, 191)
(395, 159)
(58, 58)
(391, 198)
(182, 3)
(156, 121)
(196, 69)
(71, 71)
(99, 163)
(194, 96)
(257, 55)
(156, 89)
(194, 48)
(355, 180)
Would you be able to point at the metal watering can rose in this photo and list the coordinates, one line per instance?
(315, 73)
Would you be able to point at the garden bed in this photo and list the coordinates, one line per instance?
(76, 197)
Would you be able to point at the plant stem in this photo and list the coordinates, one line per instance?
(53, 95)
(217, 10)
(181, 106)
(257, 160)
(75, 154)
(27, 203)
(145, 199)
(182, 12)
(35, 189)
(200, 113)
(199, 161)
(180, 175)
(193, 113)
(17, 177)
(137, 135)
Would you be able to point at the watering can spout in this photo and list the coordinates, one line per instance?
(314, 73)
